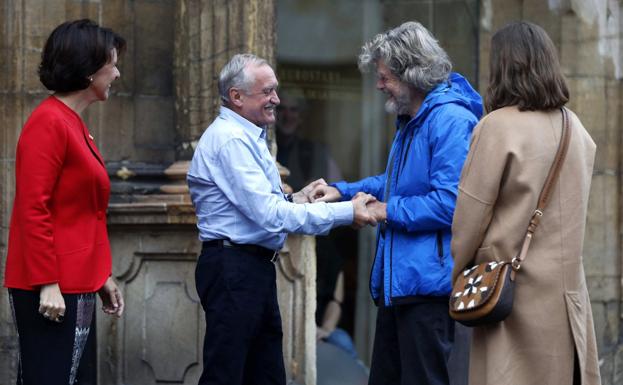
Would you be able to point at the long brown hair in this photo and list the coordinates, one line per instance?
(524, 70)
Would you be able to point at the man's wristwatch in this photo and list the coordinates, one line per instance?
(290, 198)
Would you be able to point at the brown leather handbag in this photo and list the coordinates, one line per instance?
(483, 294)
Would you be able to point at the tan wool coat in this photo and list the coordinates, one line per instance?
(509, 158)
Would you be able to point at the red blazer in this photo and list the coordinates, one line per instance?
(58, 226)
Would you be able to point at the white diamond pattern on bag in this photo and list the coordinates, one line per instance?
(473, 286)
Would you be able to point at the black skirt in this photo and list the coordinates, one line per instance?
(50, 352)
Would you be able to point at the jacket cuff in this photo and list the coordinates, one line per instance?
(342, 187)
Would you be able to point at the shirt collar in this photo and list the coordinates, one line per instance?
(251, 128)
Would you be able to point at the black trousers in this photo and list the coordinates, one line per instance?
(243, 341)
(50, 352)
(412, 345)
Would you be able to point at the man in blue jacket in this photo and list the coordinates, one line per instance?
(410, 278)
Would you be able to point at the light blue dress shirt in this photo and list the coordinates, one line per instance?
(236, 189)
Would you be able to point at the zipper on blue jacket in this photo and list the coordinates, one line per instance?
(406, 153)
(404, 147)
(440, 246)
(378, 239)
(391, 275)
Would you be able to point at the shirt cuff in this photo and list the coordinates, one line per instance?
(342, 212)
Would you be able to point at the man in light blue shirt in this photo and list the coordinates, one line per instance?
(243, 217)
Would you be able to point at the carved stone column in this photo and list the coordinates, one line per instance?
(14, 101)
(208, 34)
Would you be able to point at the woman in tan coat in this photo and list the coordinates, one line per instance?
(549, 338)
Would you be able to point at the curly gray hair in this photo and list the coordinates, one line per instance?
(234, 74)
(411, 53)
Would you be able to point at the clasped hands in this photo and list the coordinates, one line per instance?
(367, 209)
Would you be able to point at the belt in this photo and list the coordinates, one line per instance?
(261, 251)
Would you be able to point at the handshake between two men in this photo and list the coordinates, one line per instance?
(367, 209)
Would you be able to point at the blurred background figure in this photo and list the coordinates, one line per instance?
(307, 161)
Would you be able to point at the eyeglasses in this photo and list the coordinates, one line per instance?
(265, 92)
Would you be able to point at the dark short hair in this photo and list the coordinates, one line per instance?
(524, 70)
(74, 51)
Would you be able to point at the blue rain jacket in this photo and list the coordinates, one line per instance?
(413, 261)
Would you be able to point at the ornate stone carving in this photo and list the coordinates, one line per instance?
(296, 284)
(160, 336)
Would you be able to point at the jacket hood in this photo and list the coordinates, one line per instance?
(456, 90)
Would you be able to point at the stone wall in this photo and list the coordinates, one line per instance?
(587, 34)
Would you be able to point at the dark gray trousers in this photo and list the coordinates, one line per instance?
(412, 344)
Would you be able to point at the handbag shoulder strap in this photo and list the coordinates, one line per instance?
(550, 181)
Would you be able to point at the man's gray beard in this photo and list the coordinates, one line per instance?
(399, 106)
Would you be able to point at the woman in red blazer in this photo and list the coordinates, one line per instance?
(59, 254)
